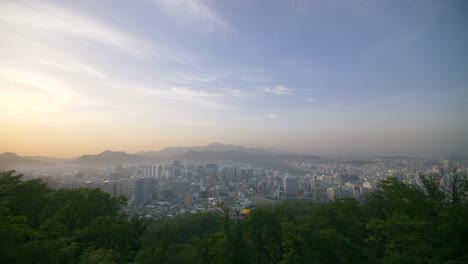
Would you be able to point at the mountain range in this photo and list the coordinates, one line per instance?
(210, 153)
(181, 152)
(109, 157)
(10, 160)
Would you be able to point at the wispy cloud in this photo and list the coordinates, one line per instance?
(200, 78)
(312, 100)
(276, 90)
(213, 99)
(235, 93)
(51, 20)
(34, 96)
(39, 84)
(47, 92)
(189, 92)
(190, 13)
(76, 68)
(194, 123)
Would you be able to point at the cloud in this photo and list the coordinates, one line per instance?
(213, 99)
(194, 123)
(232, 92)
(34, 97)
(24, 90)
(189, 92)
(76, 68)
(276, 90)
(39, 84)
(220, 98)
(271, 116)
(50, 20)
(312, 100)
(193, 12)
(190, 78)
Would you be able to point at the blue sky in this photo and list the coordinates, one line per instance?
(308, 76)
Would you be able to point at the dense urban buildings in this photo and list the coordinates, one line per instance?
(168, 188)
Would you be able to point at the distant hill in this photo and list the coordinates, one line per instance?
(111, 157)
(180, 152)
(50, 159)
(241, 156)
(212, 156)
(217, 152)
(10, 160)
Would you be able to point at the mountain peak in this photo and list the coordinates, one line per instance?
(9, 155)
(10, 159)
(111, 157)
(110, 152)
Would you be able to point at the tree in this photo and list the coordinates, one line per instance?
(14, 232)
(29, 199)
(433, 187)
(457, 186)
(8, 181)
(77, 208)
(111, 233)
(97, 256)
(292, 245)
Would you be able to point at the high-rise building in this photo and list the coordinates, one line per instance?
(332, 193)
(160, 171)
(139, 192)
(143, 191)
(109, 187)
(177, 168)
(153, 171)
(313, 183)
(290, 185)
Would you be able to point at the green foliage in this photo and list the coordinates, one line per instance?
(77, 208)
(28, 199)
(112, 233)
(8, 181)
(97, 256)
(40, 225)
(14, 232)
(397, 223)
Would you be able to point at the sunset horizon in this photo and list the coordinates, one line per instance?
(301, 76)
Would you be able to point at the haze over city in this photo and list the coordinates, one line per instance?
(328, 77)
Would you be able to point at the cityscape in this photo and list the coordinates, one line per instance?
(233, 132)
(162, 189)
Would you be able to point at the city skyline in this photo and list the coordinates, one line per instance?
(362, 77)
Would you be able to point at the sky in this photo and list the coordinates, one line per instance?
(322, 77)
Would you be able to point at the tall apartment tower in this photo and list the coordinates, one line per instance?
(290, 185)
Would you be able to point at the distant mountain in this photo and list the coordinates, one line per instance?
(217, 152)
(247, 156)
(224, 155)
(214, 148)
(10, 160)
(50, 159)
(110, 158)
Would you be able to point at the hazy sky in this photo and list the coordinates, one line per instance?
(309, 76)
